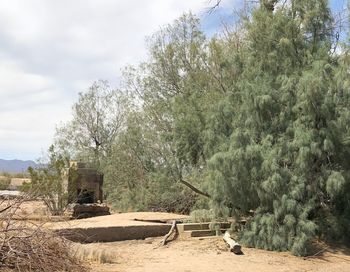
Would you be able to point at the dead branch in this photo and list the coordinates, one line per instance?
(317, 253)
(234, 246)
(173, 229)
(26, 246)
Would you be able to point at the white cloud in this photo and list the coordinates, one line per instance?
(51, 50)
(13, 79)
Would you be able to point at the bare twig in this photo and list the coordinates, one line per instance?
(26, 246)
(214, 7)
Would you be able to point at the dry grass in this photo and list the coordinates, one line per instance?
(93, 254)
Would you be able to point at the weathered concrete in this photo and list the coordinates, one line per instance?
(112, 234)
(188, 230)
(116, 227)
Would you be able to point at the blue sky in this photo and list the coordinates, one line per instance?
(49, 53)
(210, 23)
(338, 5)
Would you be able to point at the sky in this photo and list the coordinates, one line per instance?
(51, 50)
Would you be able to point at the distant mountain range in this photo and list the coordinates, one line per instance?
(15, 166)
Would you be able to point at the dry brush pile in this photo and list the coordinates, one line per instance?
(27, 246)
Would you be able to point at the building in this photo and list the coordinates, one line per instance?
(84, 184)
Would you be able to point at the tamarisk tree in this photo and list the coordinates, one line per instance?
(287, 157)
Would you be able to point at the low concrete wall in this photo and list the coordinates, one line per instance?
(114, 233)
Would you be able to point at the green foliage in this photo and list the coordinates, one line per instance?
(48, 182)
(335, 184)
(202, 216)
(286, 158)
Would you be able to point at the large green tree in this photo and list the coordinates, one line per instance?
(286, 157)
(172, 86)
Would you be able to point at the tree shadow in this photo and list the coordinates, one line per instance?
(318, 249)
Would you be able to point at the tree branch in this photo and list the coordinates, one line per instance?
(196, 190)
(216, 5)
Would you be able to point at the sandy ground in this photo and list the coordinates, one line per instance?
(208, 255)
(28, 209)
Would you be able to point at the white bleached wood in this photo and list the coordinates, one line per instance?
(234, 246)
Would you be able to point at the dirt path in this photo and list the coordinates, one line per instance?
(208, 256)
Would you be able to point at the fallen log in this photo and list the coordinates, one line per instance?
(172, 229)
(234, 246)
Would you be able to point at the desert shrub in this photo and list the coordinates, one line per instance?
(180, 202)
(154, 197)
(4, 182)
(125, 200)
(199, 216)
(48, 182)
(165, 195)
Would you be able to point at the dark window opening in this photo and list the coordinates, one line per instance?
(85, 196)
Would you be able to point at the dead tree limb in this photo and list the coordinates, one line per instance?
(317, 253)
(234, 246)
(172, 229)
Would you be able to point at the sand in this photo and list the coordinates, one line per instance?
(211, 255)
